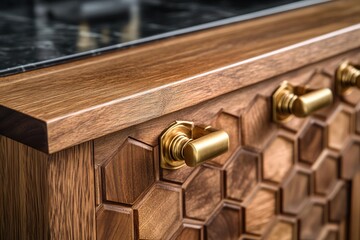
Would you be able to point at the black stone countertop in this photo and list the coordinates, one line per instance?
(52, 33)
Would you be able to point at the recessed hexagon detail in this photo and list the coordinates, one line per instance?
(225, 224)
(256, 123)
(278, 158)
(159, 212)
(311, 142)
(312, 220)
(295, 192)
(325, 174)
(339, 129)
(190, 232)
(202, 193)
(129, 172)
(282, 230)
(350, 160)
(358, 121)
(231, 125)
(338, 203)
(241, 175)
(259, 211)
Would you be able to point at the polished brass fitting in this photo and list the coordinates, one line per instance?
(299, 101)
(184, 143)
(347, 76)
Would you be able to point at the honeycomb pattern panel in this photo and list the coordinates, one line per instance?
(257, 119)
(231, 125)
(241, 175)
(133, 163)
(259, 210)
(339, 128)
(159, 213)
(278, 158)
(202, 193)
(295, 192)
(278, 181)
(283, 230)
(225, 224)
(311, 142)
(325, 172)
(312, 219)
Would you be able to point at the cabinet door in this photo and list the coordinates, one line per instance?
(293, 180)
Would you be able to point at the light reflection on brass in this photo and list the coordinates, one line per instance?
(184, 143)
(347, 76)
(299, 101)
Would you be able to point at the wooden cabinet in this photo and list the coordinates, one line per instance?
(79, 155)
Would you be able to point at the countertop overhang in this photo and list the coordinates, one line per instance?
(54, 108)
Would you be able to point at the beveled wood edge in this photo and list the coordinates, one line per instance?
(69, 130)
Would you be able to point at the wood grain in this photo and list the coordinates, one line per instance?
(202, 193)
(340, 128)
(132, 163)
(242, 175)
(326, 173)
(225, 224)
(311, 142)
(259, 211)
(113, 222)
(350, 160)
(190, 232)
(131, 86)
(46, 196)
(282, 230)
(355, 208)
(312, 219)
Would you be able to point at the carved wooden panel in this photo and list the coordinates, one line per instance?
(278, 181)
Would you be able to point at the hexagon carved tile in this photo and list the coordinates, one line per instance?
(241, 175)
(129, 172)
(159, 212)
(202, 193)
(225, 224)
(259, 210)
(256, 123)
(339, 128)
(311, 142)
(325, 173)
(350, 160)
(190, 232)
(231, 125)
(338, 207)
(282, 230)
(278, 158)
(312, 220)
(295, 192)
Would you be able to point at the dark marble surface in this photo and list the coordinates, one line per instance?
(47, 33)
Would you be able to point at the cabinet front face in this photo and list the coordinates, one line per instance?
(292, 180)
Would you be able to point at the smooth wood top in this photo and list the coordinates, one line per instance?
(54, 108)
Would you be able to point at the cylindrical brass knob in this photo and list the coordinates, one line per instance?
(184, 143)
(298, 101)
(347, 76)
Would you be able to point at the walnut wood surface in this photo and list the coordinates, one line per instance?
(90, 98)
(266, 188)
(46, 196)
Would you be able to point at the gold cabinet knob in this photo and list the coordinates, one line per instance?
(347, 76)
(299, 101)
(184, 143)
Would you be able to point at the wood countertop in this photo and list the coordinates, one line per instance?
(57, 107)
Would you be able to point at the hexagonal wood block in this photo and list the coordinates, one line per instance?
(325, 173)
(231, 125)
(256, 123)
(179, 175)
(295, 192)
(311, 142)
(350, 161)
(339, 128)
(202, 193)
(225, 224)
(241, 174)
(329, 232)
(282, 230)
(114, 221)
(353, 98)
(159, 213)
(129, 172)
(338, 203)
(358, 121)
(312, 220)
(278, 158)
(190, 232)
(259, 210)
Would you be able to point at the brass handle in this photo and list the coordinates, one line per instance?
(184, 143)
(347, 76)
(299, 101)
